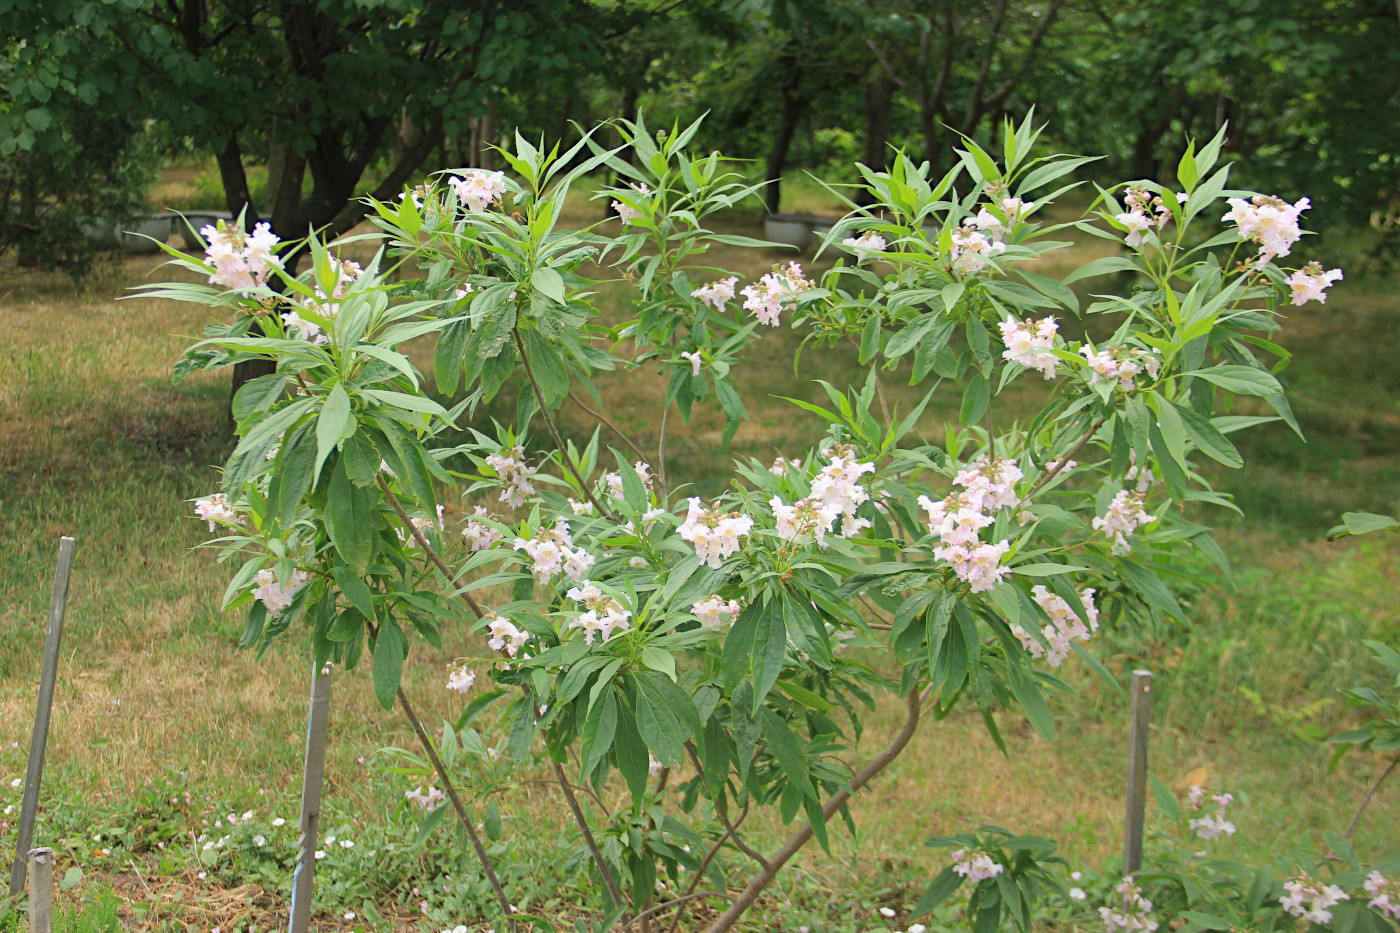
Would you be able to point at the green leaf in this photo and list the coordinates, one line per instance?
(1046, 570)
(975, 399)
(548, 283)
(659, 660)
(786, 749)
(361, 459)
(355, 589)
(1032, 701)
(938, 891)
(388, 663)
(1244, 380)
(630, 753)
(1166, 800)
(1211, 442)
(598, 731)
(71, 878)
(332, 423)
(257, 394)
(350, 520)
(769, 647)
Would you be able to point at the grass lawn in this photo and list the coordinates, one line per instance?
(162, 728)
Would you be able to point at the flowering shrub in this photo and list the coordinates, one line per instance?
(692, 644)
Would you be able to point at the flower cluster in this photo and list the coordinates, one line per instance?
(1119, 362)
(459, 678)
(1269, 221)
(604, 614)
(976, 867)
(972, 249)
(714, 534)
(1126, 513)
(215, 509)
(505, 636)
(1027, 342)
(865, 245)
(425, 798)
(1211, 825)
(613, 480)
(781, 465)
(273, 594)
(837, 487)
(808, 516)
(552, 551)
(479, 535)
(1385, 894)
(1310, 283)
(1311, 900)
(327, 306)
(1130, 910)
(1144, 213)
(478, 188)
(775, 292)
(715, 612)
(624, 212)
(995, 227)
(516, 475)
(957, 520)
(1065, 625)
(717, 293)
(241, 260)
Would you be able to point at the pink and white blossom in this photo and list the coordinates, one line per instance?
(1128, 910)
(807, 518)
(242, 261)
(1268, 221)
(1027, 342)
(975, 867)
(1310, 283)
(515, 473)
(971, 250)
(460, 678)
(272, 594)
(837, 486)
(775, 292)
(1065, 625)
(695, 361)
(478, 188)
(1311, 900)
(601, 626)
(1126, 513)
(718, 293)
(625, 212)
(479, 535)
(714, 534)
(216, 508)
(505, 636)
(428, 798)
(1385, 894)
(865, 245)
(1121, 363)
(715, 612)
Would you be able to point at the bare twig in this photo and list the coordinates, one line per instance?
(588, 839)
(553, 428)
(462, 815)
(1060, 464)
(803, 835)
(722, 809)
(426, 546)
(606, 422)
(667, 905)
(1369, 794)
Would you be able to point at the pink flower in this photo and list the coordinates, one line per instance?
(477, 188)
(1310, 282)
(1269, 221)
(717, 293)
(1027, 341)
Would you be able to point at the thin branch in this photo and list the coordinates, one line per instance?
(667, 905)
(588, 839)
(999, 96)
(1060, 464)
(427, 547)
(803, 835)
(605, 422)
(554, 430)
(462, 814)
(700, 875)
(661, 449)
(722, 809)
(1369, 794)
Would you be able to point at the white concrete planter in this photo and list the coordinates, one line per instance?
(101, 233)
(155, 226)
(788, 229)
(198, 220)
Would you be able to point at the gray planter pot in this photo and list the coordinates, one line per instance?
(197, 220)
(788, 229)
(102, 233)
(145, 233)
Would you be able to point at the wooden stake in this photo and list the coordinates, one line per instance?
(41, 889)
(312, 771)
(1137, 771)
(40, 737)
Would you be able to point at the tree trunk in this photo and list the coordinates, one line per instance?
(879, 104)
(777, 156)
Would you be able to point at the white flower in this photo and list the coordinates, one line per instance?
(1268, 221)
(838, 487)
(259, 840)
(715, 535)
(971, 249)
(479, 535)
(477, 188)
(887, 912)
(865, 245)
(1307, 284)
(516, 475)
(717, 293)
(1026, 343)
(425, 799)
(1129, 911)
(1077, 894)
(241, 260)
(977, 868)
(695, 362)
(505, 636)
(775, 292)
(627, 213)
(1065, 625)
(715, 611)
(320, 854)
(1311, 900)
(460, 679)
(279, 822)
(216, 508)
(273, 594)
(1124, 516)
(809, 517)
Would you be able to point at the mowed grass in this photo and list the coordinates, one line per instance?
(96, 442)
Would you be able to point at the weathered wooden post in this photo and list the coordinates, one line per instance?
(40, 738)
(311, 775)
(1137, 771)
(41, 889)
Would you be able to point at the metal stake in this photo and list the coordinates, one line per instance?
(41, 890)
(40, 738)
(1137, 771)
(311, 776)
